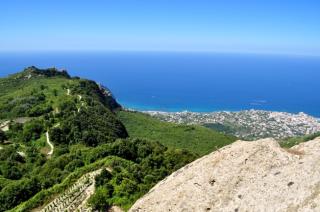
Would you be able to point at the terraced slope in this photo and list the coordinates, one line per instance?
(76, 197)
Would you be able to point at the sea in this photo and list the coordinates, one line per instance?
(192, 81)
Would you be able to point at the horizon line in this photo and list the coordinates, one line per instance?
(245, 52)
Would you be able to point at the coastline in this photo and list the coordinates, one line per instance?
(147, 109)
(246, 124)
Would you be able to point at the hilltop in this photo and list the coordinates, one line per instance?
(243, 176)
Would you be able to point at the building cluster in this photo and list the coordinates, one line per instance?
(249, 124)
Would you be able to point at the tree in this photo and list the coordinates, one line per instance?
(10, 171)
(74, 164)
(32, 130)
(57, 135)
(99, 201)
(103, 178)
(17, 192)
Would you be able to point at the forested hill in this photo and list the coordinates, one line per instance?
(82, 108)
(59, 82)
(55, 128)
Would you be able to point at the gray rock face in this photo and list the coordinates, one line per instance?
(244, 176)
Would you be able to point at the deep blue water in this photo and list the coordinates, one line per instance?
(191, 81)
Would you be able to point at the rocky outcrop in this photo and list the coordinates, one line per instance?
(244, 176)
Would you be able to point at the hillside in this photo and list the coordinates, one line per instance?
(196, 139)
(290, 142)
(56, 129)
(22, 93)
(243, 176)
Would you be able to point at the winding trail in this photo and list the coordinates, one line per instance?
(4, 126)
(50, 144)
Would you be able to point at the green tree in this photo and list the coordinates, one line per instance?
(100, 200)
(10, 171)
(32, 130)
(103, 178)
(74, 164)
(17, 192)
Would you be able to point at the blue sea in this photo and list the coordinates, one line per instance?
(190, 81)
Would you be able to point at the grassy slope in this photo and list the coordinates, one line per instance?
(196, 139)
(12, 89)
(290, 142)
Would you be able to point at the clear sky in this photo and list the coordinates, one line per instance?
(272, 26)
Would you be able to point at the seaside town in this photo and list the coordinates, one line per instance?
(248, 124)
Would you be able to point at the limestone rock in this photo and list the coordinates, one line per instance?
(244, 176)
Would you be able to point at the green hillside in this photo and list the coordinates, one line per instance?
(196, 139)
(55, 128)
(78, 116)
(290, 142)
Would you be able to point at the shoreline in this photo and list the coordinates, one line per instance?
(218, 111)
(247, 124)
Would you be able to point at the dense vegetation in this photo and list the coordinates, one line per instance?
(129, 181)
(143, 164)
(36, 92)
(79, 115)
(196, 139)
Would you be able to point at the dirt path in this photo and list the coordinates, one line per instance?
(50, 144)
(4, 126)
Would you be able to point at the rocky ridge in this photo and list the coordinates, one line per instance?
(244, 176)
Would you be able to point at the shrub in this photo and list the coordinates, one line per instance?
(103, 178)
(100, 200)
(3, 136)
(17, 192)
(32, 130)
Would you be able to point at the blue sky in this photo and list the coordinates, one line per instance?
(266, 26)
